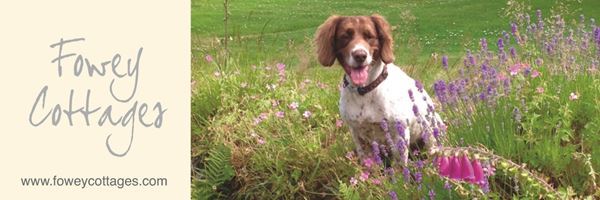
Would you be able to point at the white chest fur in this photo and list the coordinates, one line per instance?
(389, 101)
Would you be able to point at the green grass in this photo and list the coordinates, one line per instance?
(304, 157)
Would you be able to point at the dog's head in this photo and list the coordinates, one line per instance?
(357, 42)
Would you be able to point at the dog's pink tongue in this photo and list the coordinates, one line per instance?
(359, 76)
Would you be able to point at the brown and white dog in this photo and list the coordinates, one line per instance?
(376, 90)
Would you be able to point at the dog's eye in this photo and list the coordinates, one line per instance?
(369, 36)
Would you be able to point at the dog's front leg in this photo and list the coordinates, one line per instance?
(357, 143)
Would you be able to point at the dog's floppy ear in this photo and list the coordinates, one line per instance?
(384, 33)
(324, 40)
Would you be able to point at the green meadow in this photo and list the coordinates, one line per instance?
(249, 142)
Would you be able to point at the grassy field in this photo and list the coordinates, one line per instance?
(250, 142)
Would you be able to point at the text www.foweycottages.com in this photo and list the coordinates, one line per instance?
(83, 183)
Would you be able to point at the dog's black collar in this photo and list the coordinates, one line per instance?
(372, 85)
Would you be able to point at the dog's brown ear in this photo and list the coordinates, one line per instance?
(384, 33)
(324, 40)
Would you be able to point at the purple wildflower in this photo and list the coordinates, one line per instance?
(406, 174)
(513, 29)
(436, 132)
(431, 194)
(500, 43)
(445, 62)
(400, 128)
(280, 114)
(364, 176)
(506, 35)
(293, 105)
(471, 58)
(389, 171)
(281, 70)
(447, 185)
(420, 164)
(440, 90)
(368, 162)
(410, 94)
(513, 53)
(307, 114)
(393, 195)
(376, 152)
(539, 61)
(484, 44)
(419, 86)
(415, 110)
(353, 181)
(418, 177)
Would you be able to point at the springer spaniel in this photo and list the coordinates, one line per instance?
(376, 92)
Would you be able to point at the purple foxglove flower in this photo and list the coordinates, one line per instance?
(410, 94)
(467, 169)
(500, 43)
(477, 171)
(455, 168)
(444, 166)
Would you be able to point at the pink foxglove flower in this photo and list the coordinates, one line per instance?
(444, 166)
(467, 173)
(477, 171)
(455, 168)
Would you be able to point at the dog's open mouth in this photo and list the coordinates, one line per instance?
(358, 75)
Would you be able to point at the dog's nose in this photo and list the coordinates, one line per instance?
(359, 55)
